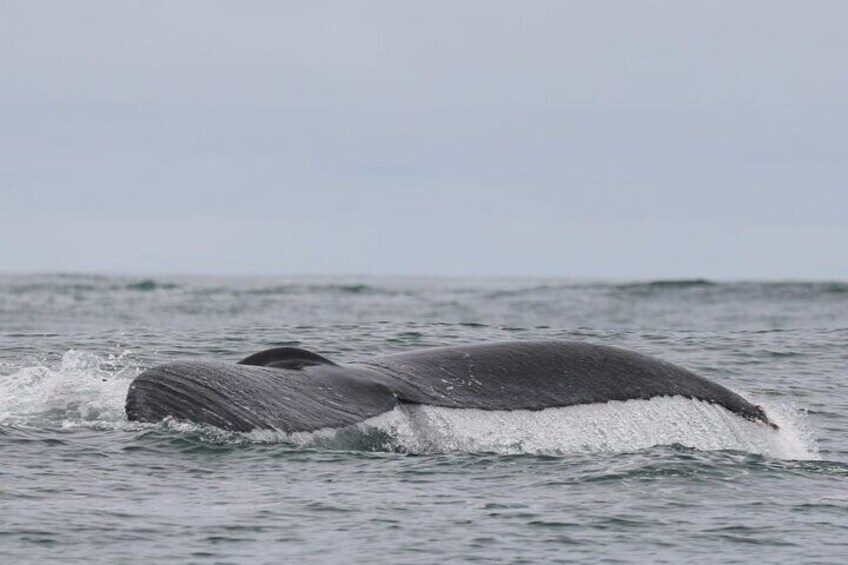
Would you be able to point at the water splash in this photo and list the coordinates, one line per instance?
(611, 427)
(83, 388)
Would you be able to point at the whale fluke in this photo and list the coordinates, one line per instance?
(294, 390)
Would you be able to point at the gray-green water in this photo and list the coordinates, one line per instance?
(666, 480)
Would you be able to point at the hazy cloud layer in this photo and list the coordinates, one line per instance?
(584, 139)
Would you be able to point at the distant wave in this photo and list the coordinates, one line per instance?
(150, 284)
(67, 284)
(681, 283)
(667, 284)
(836, 287)
(188, 288)
(329, 288)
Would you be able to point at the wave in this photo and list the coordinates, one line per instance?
(835, 287)
(681, 283)
(297, 288)
(75, 284)
(668, 284)
(150, 284)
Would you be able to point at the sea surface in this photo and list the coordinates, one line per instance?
(663, 481)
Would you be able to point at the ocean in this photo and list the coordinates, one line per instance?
(667, 480)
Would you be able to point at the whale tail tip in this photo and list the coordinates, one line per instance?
(763, 417)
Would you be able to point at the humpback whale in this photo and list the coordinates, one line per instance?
(293, 390)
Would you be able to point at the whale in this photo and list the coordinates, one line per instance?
(290, 389)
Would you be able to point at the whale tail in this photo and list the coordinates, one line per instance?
(291, 389)
(760, 415)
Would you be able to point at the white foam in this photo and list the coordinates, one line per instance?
(610, 427)
(83, 389)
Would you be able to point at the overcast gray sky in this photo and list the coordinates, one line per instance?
(580, 139)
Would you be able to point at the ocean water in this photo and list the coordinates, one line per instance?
(662, 481)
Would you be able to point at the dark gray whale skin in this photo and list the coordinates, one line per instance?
(293, 390)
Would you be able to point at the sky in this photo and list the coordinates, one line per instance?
(578, 139)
